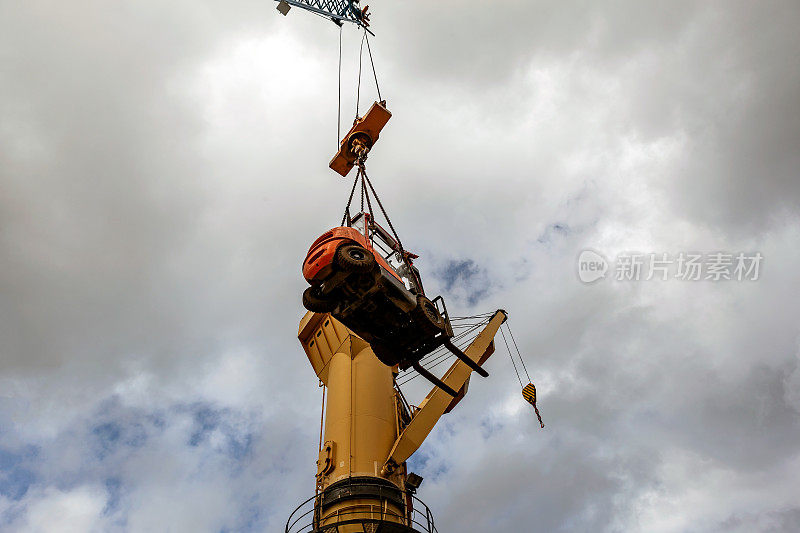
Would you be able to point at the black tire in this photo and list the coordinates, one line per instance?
(427, 316)
(314, 301)
(355, 258)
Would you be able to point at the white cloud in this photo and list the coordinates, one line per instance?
(75, 511)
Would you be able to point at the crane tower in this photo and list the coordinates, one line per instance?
(362, 481)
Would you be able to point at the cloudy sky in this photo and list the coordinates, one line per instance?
(163, 169)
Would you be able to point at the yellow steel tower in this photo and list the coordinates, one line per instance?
(362, 484)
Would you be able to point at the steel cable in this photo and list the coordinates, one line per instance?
(346, 216)
(339, 110)
(512, 358)
(519, 354)
(374, 73)
(358, 88)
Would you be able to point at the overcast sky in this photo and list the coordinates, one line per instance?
(163, 170)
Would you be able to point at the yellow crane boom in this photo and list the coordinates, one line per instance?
(436, 403)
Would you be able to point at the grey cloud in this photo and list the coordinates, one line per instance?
(162, 172)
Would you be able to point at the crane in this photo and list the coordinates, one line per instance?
(368, 325)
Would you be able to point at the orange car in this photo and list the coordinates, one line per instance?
(360, 275)
(350, 243)
(359, 256)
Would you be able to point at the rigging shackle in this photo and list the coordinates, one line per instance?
(360, 148)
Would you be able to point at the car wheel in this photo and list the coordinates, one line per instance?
(314, 301)
(427, 315)
(354, 258)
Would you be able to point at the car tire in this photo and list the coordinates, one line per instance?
(427, 315)
(355, 258)
(314, 301)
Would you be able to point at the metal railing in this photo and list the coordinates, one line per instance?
(306, 517)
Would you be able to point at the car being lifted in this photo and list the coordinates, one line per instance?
(361, 275)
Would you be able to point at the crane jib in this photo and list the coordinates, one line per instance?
(337, 10)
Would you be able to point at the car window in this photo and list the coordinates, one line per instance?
(358, 223)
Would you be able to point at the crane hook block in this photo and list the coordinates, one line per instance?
(529, 393)
(361, 137)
